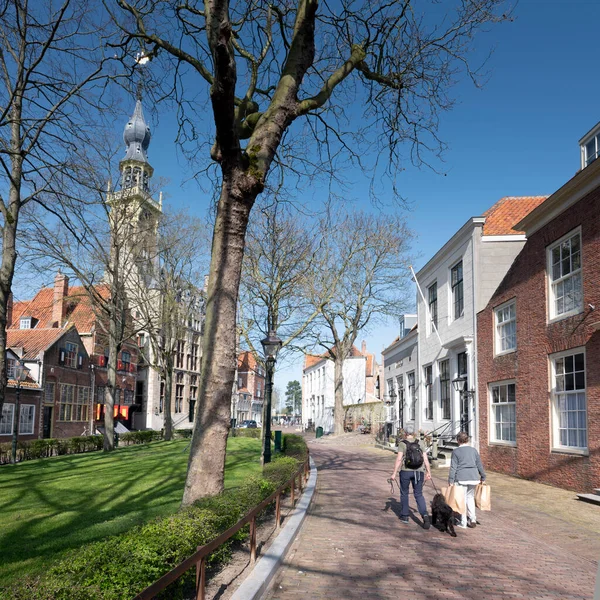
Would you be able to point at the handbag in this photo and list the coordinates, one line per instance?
(483, 496)
(455, 498)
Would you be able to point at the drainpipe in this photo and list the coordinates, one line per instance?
(475, 256)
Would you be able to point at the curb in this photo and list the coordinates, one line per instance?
(255, 585)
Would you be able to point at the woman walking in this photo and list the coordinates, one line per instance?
(467, 471)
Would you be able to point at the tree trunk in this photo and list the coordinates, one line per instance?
(339, 394)
(209, 441)
(111, 384)
(168, 433)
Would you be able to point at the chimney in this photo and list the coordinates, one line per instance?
(363, 347)
(61, 289)
(9, 310)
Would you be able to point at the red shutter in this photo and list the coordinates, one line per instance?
(119, 365)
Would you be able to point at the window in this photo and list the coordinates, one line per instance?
(26, 419)
(161, 402)
(445, 388)
(67, 399)
(590, 151)
(458, 299)
(429, 393)
(400, 384)
(11, 364)
(569, 401)
(80, 409)
(433, 306)
(193, 387)
(258, 390)
(71, 355)
(194, 365)
(461, 361)
(179, 392)
(412, 398)
(506, 328)
(49, 392)
(126, 360)
(564, 267)
(241, 382)
(180, 353)
(100, 394)
(504, 413)
(25, 323)
(6, 423)
(127, 397)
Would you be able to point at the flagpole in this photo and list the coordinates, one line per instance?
(426, 305)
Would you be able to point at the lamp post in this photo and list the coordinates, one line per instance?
(271, 346)
(460, 385)
(390, 401)
(21, 373)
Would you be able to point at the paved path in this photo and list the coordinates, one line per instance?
(352, 544)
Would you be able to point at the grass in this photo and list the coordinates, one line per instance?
(48, 506)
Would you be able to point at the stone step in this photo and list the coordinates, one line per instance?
(597, 491)
(593, 498)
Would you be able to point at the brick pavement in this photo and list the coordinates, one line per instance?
(352, 544)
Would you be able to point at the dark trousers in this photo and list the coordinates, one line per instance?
(417, 478)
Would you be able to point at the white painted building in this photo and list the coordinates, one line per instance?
(400, 372)
(318, 390)
(456, 284)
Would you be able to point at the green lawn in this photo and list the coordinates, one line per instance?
(51, 505)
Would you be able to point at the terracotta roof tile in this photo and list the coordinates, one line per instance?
(310, 360)
(507, 212)
(33, 341)
(79, 308)
(247, 361)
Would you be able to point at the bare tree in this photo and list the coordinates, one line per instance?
(170, 311)
(364, 279)
(353, 77)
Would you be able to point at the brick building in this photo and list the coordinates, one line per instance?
(539, 347)
(55, 311)
(250, 389)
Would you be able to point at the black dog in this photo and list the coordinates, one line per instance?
(442, 515)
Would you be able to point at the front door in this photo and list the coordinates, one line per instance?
(464, 413)
(47, 421)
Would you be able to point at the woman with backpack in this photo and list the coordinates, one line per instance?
(467, 471)
(413, 465)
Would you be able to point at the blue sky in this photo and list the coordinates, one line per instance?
(516, 136)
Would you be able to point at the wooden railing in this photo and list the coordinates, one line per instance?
(198, 559)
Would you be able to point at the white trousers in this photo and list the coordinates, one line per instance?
(470, 502)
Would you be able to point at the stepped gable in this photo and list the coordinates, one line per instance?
(507, 212)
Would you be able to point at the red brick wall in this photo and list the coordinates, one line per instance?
(529, 366)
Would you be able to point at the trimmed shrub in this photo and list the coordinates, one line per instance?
(132, 438)
(183, 433)
(119, 567)
(249, 433)
(295, 446)
(45, 448)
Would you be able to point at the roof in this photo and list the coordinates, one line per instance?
(79, 309)
(247, 361)
(507, 212)
(33, 341)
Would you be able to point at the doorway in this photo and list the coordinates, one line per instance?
(47, 427)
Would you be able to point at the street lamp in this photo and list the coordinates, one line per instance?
(21, 373)
(271, 346)
(390, 401)
(460, 386)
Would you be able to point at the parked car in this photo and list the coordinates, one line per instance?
(248, 425)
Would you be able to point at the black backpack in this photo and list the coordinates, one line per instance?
(414, 455)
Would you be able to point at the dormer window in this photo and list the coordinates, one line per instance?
(25, 323)
(590, 146)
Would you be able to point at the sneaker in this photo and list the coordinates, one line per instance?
(471, 525)
(461, 526)
(426, 522)
(405, 520)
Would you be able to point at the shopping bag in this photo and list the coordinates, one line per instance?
(483, 496)
(455, 498)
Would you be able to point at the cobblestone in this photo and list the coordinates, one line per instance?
(537, 543)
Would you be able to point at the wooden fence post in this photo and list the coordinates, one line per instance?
(200, 577)
(278, 511)
(253, 540)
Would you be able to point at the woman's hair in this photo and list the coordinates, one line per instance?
(409, 431)
(462, 438)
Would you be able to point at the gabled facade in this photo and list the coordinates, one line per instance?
(457, 283)
(539, 344)
(57, 398)
(318, 393)
(250, 389)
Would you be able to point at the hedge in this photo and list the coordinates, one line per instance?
(119, 567)
(51, 447)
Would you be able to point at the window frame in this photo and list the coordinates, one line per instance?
(31, 408)
(432, 304)
(71, 355)
(11, 365)
(497, 326)
(455, 287)
(25, 323)
(429, 401)
(445, 385)
(554, 409)
(551, 283)
(8, 407)
(493, 421)
(412, 395)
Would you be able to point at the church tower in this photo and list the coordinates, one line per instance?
(134, 213)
